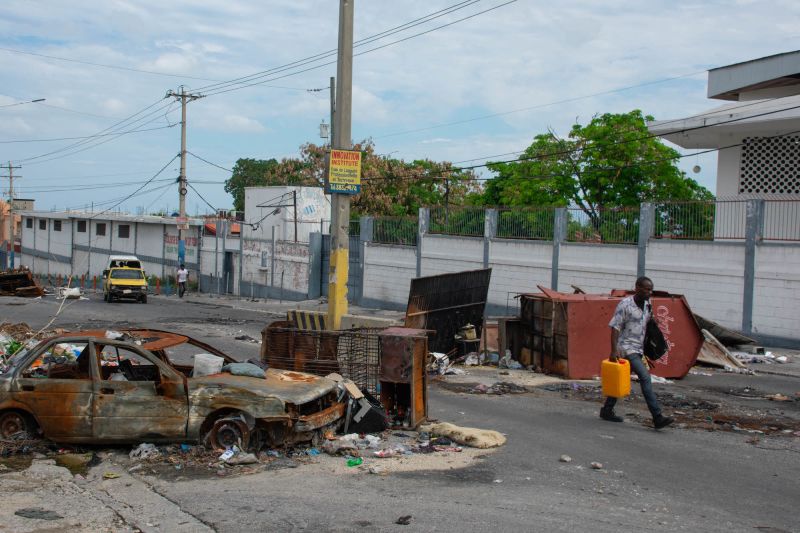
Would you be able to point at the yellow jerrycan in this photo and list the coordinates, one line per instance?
(616, 378)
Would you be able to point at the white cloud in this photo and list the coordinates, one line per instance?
(524, 55)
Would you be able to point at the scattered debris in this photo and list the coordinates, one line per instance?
(111, 475)
(596, 466)
(19, 282)
(565, 459)
(714, 353)
(778, 398)
(499, 388)
(473, 437)
(144, 451)
(403, 520)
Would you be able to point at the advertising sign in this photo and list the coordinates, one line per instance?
(344, 172)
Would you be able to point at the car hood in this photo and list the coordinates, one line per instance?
(291, 387)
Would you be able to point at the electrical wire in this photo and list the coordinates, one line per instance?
(84, 137)
(116, 126)
(209, 162)
(242, 85)
(201, 197)
(329, 53)
(140, 188)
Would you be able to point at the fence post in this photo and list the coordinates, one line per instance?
(490, 217)
(272, 259)
(241, 259)
(559, 236)
(314, 265)
(423, 223)
(647, 219)
(754, 227)
(365, 235)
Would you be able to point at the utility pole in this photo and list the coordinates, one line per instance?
(340, 203)
(12, 228)
(184, 98)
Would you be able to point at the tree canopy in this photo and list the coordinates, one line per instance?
(613, 161)
(389, 187)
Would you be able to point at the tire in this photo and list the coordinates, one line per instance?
(229, 431)
(15, 422)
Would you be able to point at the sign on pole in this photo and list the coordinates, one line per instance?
(182, 222)
(344, 172)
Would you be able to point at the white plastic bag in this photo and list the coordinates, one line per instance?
(206, 364)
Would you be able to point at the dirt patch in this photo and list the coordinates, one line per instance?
(497, 388)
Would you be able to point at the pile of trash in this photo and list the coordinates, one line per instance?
(442, 364)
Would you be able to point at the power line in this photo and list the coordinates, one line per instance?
(202, 198)
(142, 187)
(332, 52)
(243, 85)
(111, 128)
(96, 136)
(209, 162)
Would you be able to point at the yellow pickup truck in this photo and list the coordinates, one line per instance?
(125, 282)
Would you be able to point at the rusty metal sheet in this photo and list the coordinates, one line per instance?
(19, 282)
(446, 302)
(321, 419)
(568, 334)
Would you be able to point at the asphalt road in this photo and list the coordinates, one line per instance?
(671, 480)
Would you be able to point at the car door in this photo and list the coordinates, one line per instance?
(57, 386)
(138, 397)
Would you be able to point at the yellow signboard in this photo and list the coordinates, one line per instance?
(344, 172)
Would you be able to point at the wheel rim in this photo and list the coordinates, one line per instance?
(227, 433)
(11, 424)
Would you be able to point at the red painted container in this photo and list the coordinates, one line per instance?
(568, 334)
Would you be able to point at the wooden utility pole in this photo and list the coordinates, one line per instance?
(340, 203)
(184, 97)
(12, 227)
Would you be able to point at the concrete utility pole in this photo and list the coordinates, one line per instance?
(11, 226)
(340, 203)
(184, 97)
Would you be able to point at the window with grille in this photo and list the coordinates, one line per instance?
(124, 231)
(769, 165)
(42, 223)
(56, 225)
(29, 223)
(81, 226)
(100, 229)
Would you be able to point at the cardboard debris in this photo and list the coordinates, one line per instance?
(713, 353)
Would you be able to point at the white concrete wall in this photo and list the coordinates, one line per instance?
(777, 290)
(596, 268)
(442, 254)
(518, 266)
(279, 211)
(389, 270)
(710, 275)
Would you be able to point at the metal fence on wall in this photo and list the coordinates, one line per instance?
(535, 223)
(458, 220)
(395, 230)
(619, 225)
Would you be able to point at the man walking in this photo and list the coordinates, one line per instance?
(182, 276)
(627, 339)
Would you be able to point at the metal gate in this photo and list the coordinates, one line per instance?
(354, 274)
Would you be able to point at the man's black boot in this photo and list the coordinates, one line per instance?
(662, 421)
(608, 414)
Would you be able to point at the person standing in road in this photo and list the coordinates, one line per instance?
(628, 327)
(182, 276)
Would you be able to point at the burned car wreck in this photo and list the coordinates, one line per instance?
(85, 387)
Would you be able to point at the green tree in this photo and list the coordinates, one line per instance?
(389, 187)
(610, 162)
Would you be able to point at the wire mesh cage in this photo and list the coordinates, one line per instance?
(354, 354)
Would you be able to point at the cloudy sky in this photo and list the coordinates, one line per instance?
(467, 91)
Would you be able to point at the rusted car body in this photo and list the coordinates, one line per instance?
(85, 388)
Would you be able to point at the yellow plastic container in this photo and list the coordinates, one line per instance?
(616, 378)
